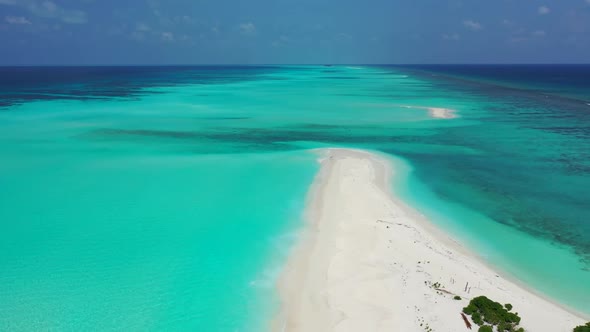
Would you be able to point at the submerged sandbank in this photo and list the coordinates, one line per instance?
(441, 113)
(365, 262)
(437, 112)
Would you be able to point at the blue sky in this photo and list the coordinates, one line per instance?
(293, 31)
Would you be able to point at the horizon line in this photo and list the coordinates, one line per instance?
(294, 64)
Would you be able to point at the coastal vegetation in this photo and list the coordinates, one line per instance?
(489, 314)
(583, 328)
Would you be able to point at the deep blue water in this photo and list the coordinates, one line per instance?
(22, 84)
(571, 80)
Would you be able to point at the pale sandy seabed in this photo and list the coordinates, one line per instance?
(437, 112)
(433, 112)
(442, 113)
(368, 262)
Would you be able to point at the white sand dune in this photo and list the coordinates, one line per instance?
(366, 262)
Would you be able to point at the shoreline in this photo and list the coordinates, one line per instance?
(445, 237)
(367, 261)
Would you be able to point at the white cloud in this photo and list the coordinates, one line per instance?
(507, 23)
(48, 9)
(185, 19)
(523, 36)
(247, 28)
(143, 32)
(282, 40)
(453, 36)
(16, 20)
(343, 36)
(135, 35)
(472, 25)
(543, 10)
(167, 36)
(142, 27)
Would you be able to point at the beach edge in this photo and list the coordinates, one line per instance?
(309, 285)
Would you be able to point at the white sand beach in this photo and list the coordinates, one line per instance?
(367, 262)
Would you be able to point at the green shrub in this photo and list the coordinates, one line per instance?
(583, 328)
(476, 317)
(485, 328)
(457, 297)
(470, 309)
(485, 311)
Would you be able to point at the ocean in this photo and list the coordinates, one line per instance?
(168, 198)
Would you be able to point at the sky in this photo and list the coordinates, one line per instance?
(103, 32)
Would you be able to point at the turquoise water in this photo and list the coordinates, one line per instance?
(546, 268)
(167, 198)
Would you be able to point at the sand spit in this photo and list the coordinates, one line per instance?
(366, 262)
